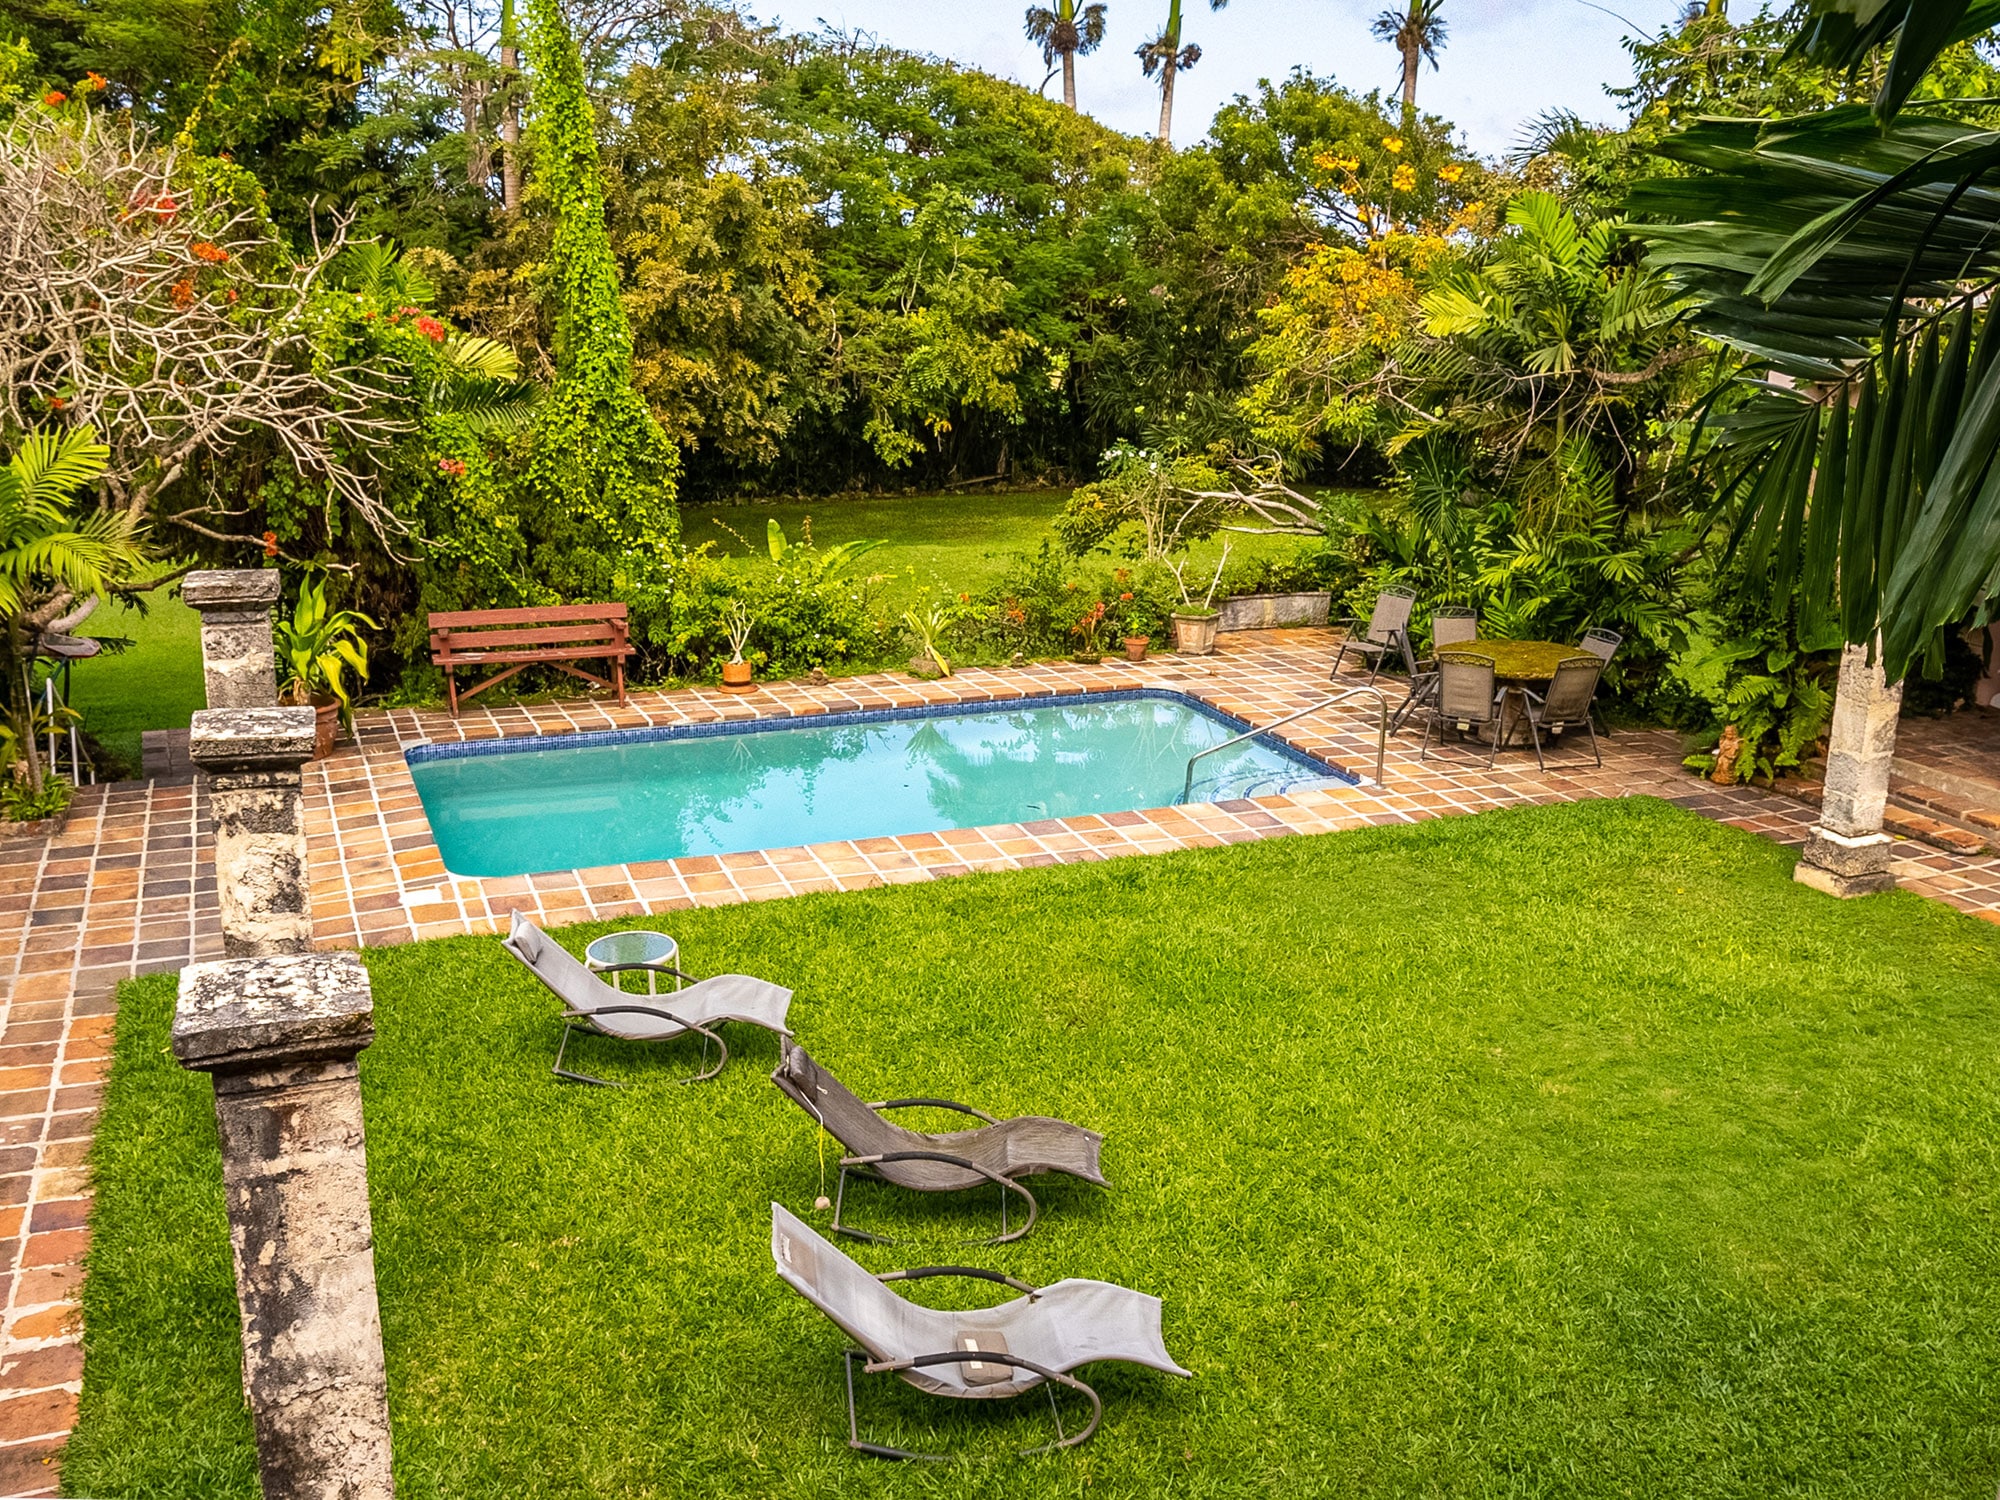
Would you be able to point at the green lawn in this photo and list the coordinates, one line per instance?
(936, 543)
(156, 684)
(1570, 1151)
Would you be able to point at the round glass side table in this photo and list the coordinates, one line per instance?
(634, 948)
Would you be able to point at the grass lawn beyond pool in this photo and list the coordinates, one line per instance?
(1567, 1151)
(154, 684)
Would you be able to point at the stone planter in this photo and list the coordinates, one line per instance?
(326, 727)
(736, 677)
(1135, 646)
(1088, 658)
(1275, 611)
(925, 668)
(1194, 635)
(38, 828)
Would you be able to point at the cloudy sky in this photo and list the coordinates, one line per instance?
(1506, 60)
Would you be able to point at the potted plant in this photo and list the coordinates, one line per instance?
(736, 672)
(1195, 625)
(319, 647)
(927, 627)
(1134, 640)
(1087, 630)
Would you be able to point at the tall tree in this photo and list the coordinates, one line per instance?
(1417, 33)
(1067, 32)
(1165, 56)
(602, 474)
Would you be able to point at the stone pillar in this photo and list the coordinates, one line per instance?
(1849, 854)
(237, 658)
(251, 759)
(280, 1037)
(1987, 692)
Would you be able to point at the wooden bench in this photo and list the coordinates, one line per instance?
(517, 639)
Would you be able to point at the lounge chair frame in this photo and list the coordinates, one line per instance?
(900, 1147)
(1052, 1332)
(657, 1012)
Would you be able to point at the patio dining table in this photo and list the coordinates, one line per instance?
(1521, 663)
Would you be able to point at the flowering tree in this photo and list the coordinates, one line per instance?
(143, 292)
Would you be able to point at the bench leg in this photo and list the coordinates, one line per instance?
(618, 678)
(451, 689)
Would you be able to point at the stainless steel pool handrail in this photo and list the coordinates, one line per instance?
(1381, 731)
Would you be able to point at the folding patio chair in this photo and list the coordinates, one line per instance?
(1466, 697)
(1603, 643)
(1388, 633)
(1452, 626)
(593, 1005)
(1567, 702)
(992, 1353)
(994, 1154)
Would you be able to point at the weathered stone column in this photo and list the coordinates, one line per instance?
(251, 757)
(1849, 854)
(237, 657)
(280, 1036)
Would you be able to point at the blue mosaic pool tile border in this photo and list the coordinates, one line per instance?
(588, 739)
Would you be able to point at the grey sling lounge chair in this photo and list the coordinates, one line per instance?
(591, 1004)
(995, 1154)
(989, 1354)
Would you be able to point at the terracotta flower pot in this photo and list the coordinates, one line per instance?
(736, 677)
(1194, 635)
(1135, 647)
(326, 726)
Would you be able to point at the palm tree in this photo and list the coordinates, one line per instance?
(1857, 263)
(1417, 34)
(49, 558)
(1165, 55)
(1069, 33)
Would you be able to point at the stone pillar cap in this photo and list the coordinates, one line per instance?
(231, 588)
(233, 739)
(241, 1013)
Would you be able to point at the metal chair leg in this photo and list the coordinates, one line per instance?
(572, 1077)
(1591, 728)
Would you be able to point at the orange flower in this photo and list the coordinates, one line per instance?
(57, 403)
(96, 82)
(431, 329)
(183, 292)
(455, 467)
(270, 544)
(54, 97)
(215, 255)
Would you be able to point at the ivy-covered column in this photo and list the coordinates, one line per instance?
(1849, 854)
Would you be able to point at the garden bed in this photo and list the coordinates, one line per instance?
(1599, 1159)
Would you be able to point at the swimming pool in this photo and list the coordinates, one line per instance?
(523, 806)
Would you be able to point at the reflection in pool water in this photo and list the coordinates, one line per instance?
(623, 798)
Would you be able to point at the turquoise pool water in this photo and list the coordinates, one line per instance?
(515, 808)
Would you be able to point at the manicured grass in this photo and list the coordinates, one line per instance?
(1571, 1151)
(155, 684)
(937, 544)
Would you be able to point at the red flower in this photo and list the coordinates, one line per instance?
(54, 97)
(455, 467)
(1124, 598)
(231, 294)
(165, 206)
(431, 329)
(215, 255)
(57, 403)
(270, 544)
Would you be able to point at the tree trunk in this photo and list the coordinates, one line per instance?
(1069, 79)
(1167, 102)
(1410, 61)
(510, 116)
(468, 106)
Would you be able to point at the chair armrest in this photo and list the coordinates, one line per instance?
(964, 1109)
(924, 1273)
(632, 1010)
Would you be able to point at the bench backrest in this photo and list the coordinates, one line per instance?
(581, 627)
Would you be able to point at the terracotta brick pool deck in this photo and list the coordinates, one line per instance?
(128, 888)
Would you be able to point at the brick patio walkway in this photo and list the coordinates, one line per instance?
(128, 888)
